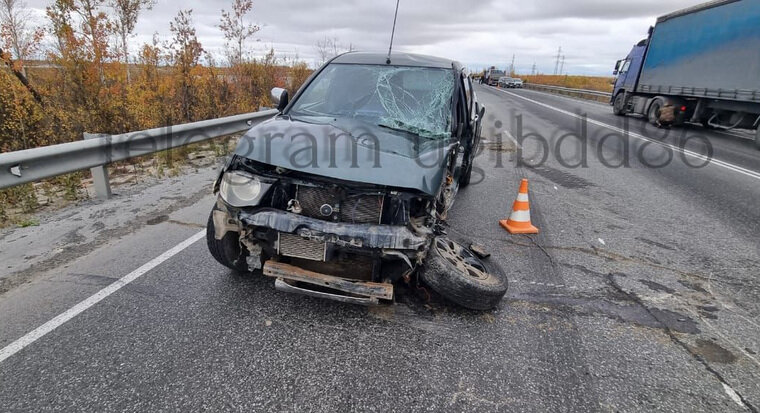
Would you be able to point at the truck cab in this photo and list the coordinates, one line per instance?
(627, 70)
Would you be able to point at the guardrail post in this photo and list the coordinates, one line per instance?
(100, 179)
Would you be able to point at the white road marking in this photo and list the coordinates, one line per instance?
(601, 241)
(72, 312)
(733, 395)
(712, 161)
(512, 138)
(736, 135)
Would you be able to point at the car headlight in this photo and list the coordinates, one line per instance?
(241, 189)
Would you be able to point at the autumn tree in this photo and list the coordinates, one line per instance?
(126, 14)
(95, 27)
(328, 48)
(16, 34)
(236, 30)
(87, 86)
(185, 51)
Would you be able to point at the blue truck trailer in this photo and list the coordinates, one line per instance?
(702, 64)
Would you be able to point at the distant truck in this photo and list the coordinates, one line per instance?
(701, 64)
(492, 76)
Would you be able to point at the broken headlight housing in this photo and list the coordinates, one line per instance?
(241, 189)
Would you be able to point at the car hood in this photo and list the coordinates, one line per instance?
(349, 150)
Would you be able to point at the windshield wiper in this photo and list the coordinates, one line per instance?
(414, 130)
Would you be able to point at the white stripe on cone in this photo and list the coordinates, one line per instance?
(520, 216)
(521, 197)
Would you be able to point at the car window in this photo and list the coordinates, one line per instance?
(461, 108)
(468, 93)
(413, 99)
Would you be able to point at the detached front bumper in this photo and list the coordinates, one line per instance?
(341, 234)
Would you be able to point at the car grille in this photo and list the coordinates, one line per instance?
(355, 209)
(291, 245)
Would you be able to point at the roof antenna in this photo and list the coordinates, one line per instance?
(390, 48)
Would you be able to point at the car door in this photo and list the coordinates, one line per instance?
(460, 128)
(474, 122)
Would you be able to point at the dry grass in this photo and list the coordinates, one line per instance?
(599, 83)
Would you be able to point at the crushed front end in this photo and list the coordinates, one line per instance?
(320, 236)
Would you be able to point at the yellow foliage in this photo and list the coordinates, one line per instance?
(599, 83)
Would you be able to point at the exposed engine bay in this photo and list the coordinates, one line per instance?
(359, 232)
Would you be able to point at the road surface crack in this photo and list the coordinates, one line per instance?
(733, 394)
(609, 255)
(541, 247)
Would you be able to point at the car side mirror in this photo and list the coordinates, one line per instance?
(482, 112)
(615, 72)
(280, 97)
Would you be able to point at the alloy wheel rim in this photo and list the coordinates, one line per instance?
(461, 258)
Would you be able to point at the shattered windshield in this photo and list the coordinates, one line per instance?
(416, 100)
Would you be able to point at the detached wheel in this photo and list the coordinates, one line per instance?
(226, 251)
(618, 106)
(457, 274)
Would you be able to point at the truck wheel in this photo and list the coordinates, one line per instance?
(226, 251)
(460, 276)
(654, 112)
(618, 106)
(757, 138)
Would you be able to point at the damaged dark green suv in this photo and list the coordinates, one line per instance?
(346, 190)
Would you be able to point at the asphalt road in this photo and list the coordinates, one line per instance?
(640, 294)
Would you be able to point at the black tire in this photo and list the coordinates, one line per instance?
(226, 251)
(464, 180)
(654, 112)
(458, 275)
(618, 106)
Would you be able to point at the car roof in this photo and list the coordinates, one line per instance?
(397, 59)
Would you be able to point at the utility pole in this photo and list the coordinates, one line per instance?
(556, 62)
(562, 65)
(533, 69)
(512, 66)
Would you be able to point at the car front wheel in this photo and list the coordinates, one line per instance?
(227, 251)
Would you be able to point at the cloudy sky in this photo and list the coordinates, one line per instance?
(593, 34)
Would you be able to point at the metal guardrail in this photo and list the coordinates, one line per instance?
(97, 150)
(569, 91)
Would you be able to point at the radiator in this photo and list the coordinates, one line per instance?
(290, 245)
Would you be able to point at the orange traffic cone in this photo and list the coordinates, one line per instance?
(519, 219)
